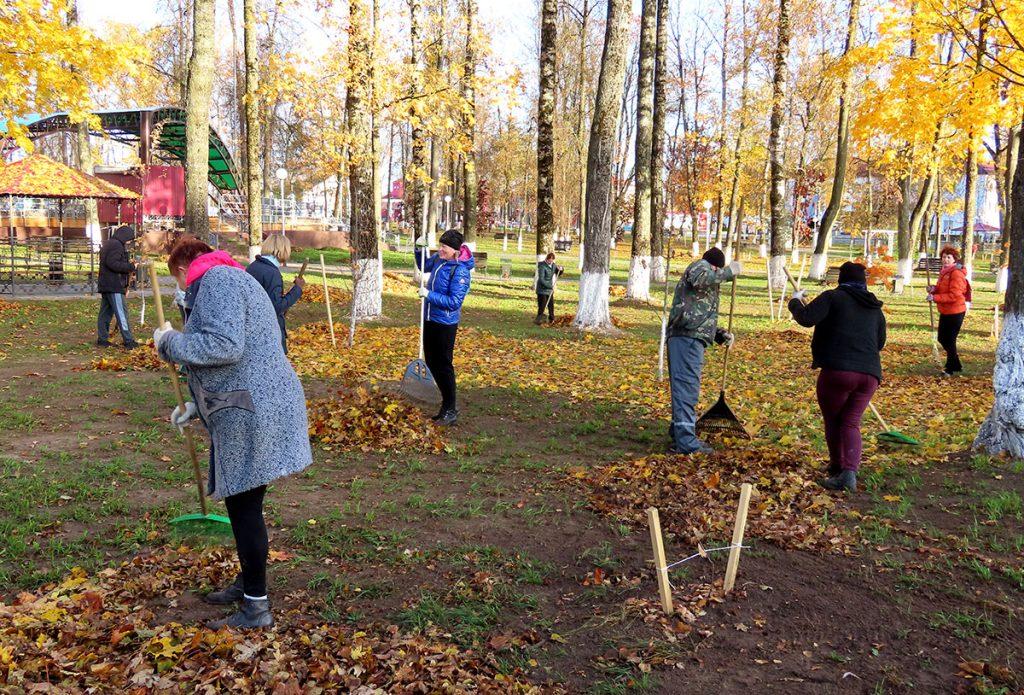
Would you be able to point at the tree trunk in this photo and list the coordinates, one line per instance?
(592, 311)
(253, 179)
(469, 187)
(581, 65)
(545, 130)
(1012, 159)
(658, 215)
(433, 192)
(777, 189)
(720, 177)
(418, 165)
(819, 261)
(971, 189)
(734, 196)
(639, 284)
(1003, 429)
(85, 163)
(197, 119)
(363, 218)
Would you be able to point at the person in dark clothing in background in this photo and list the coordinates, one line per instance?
(444, 293)
(115, 268)
(267, 270)
(849, 334)
(547, 275)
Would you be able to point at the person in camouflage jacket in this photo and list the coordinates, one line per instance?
(692, 326)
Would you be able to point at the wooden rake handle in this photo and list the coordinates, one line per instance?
(796, 287)
(732, 307)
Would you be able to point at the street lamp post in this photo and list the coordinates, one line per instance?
(282, 174)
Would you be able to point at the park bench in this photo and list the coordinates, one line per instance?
(831, 277)
(929, 263)
(563, 245)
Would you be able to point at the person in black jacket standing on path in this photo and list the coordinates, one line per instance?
(849, 334)
(267, 270)
(115, 268)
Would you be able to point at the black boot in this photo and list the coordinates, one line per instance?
(449, 418)
(255, 613)
(539, 320)
(845, 481)
(834, 469)
(131, 345)
(100, 342)
(225, 597)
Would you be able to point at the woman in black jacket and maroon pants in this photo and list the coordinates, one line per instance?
(849, 333)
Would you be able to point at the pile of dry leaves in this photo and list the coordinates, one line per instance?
(697, 496)
(95, 634)
(8, 306)
(372, 420)
(141, 359)
(314, 292)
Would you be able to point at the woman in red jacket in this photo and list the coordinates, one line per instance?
(950, 296)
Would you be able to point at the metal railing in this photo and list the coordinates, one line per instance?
(47, 266)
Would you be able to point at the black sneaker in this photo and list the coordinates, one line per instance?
(102, 343)
(255, 613)
(440, 414)
(226, 597)
(845, 481)
(131, 345)
(449, 418)
(538, 321)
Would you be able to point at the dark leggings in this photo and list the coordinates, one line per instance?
(246, 513)
(438, 351)
(546, 301)
(949, 329)
(843, 397)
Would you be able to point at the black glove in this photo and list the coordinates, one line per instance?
(724, 337)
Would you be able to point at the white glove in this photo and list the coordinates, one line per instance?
(968, 304)
(161, 332)
(799, 295)
(736, 268)
(730, 338)
(180, 419)
(421, 242)
(423, 292)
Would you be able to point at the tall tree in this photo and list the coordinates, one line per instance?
(253, 171)
(84, 152)
(819, 260)
(1012, 159)
(638, 285)
(545, 129)
(658, 213)
(418, 148)
(777, 186)
(363, 218)
(592, 310)
(971, 166)
(735, 199)
(469, 179)
(197, 118)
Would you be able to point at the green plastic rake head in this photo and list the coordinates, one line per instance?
(891, 436)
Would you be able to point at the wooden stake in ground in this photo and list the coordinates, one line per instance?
(737, 538)
(327, 300)
(660, 565)
(771, 300)
(175, 381)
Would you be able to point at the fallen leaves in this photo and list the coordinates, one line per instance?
(369, 419)
(97, 633)
(314, 292)
(142, 359)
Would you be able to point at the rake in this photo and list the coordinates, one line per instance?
(418, 382)
(719, 419)
(204, 515)
(890, 436)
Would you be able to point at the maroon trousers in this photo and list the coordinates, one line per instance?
(843, 397)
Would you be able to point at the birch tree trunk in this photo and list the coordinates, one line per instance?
(777, 186)
(469, 182)
(819, 260)
(638, 286)
(363, 216)
(734, 197)
(592, 310)
(658, 214)
(253, 177)
(1003, 429)
(197, 119)
(1012, 159)
(545, 130)
(418, 147)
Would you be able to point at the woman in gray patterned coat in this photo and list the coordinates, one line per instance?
(248, 397)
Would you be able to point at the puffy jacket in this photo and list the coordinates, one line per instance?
(269, 276)
(448, 285)
(951, 291)
(115, 262)
(546, 274)
(695, 302)
(849, 329)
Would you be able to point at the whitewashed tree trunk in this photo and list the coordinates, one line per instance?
(905, 270)
(592, 311)
(367, 288)
(657, 269)
(639, 283)
(1002, 280)
(778, 274)
(253, 252)
(1003, 429)
(819, 266)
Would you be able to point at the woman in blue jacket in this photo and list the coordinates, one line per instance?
(267, 271)
(444, 293)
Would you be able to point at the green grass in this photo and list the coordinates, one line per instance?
(964, 624)
(1002, 504)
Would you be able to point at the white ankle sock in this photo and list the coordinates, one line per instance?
(255, 598)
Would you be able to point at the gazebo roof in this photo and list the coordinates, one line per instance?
(38, 176)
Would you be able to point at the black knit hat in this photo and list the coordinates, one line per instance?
(715, 257)
(852, 272)
(452, 239)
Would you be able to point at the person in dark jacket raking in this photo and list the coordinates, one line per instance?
(849, 334)
(547, 274)
(692, 327)
(267, 271)
(444, 293)
(115, 269)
